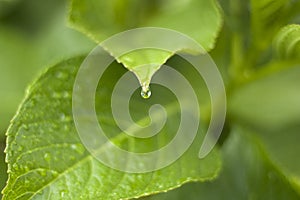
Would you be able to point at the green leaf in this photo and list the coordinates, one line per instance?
(287, 42)
(101, 20)
(283, 150)
(267, 18)
(6, 6)
(271, 108)
(246, 175)
(199, 19)
(266, 13)
(22, 56)
(46, 158)
(3, 167)
(261, 22)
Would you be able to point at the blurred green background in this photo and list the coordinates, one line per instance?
(33, 35)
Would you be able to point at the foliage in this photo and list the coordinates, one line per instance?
(257, 51)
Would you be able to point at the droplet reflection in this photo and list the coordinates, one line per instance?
(146, 92)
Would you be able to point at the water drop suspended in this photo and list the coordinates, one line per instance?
(16, 166)
(47, 157)
(146, 92)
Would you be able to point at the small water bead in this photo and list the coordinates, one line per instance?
(146, 92)
(61, 75)
(47, 157)
(16, 166)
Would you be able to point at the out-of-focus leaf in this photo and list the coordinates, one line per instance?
(268, 17)
(245, 175)
(5, 7)
(271, 107)
(283, 150)
(46, 158)
(271, 102)
(29, 16)
(199, 19)
(287, 42)
(22, 57)
(266, 13)
(253, 25)
(3, 167)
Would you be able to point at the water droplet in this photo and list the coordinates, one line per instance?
(43, 173)
(26, 181)
(114, 194)
(56, 95)
(16, 166)
(10, 154)
(63, 192)
(66, 127)
(65, 117)
(47, 157)
(66, 94)
(78, 148)
(159, 186)
(25, 127)
(26, 168)
(72, 158)
(20, 148)
(61, 75)
(62, 117)
(40, 193)
(146, 92)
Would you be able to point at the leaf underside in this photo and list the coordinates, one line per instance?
(102, 19)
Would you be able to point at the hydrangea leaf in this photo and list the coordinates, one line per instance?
(47, 160)
(199, 19)
(246, 175)
(274, 116)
